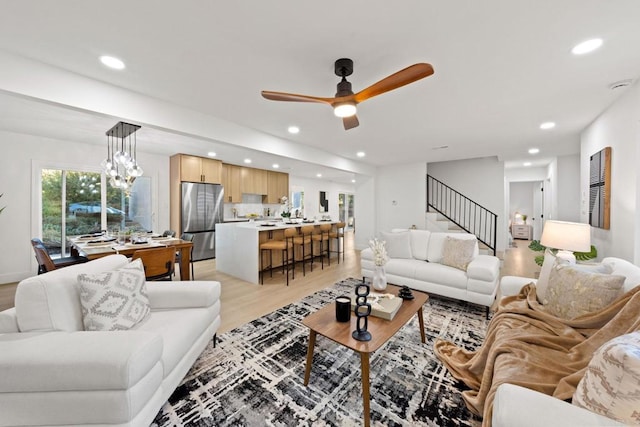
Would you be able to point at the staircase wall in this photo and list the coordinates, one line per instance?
(482, 180)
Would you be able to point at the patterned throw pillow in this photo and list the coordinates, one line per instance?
(572, 292)
(458, 253)
(611, 382)
(115, 300)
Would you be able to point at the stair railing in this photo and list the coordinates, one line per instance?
(462, 211)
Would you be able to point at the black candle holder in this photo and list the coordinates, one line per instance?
(362, 312)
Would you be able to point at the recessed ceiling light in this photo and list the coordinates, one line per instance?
(319, 175)
(586, 46)
(293, 129)
(547, 125)
(247, 161)
(353, 180)
(211, 154)
(534, 150)
(112, 62)
(361, 154)
(275, 166)
(526, 164)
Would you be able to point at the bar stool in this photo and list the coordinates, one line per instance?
(338, 234)
(303, 239)
(279, 245)
(321, 235)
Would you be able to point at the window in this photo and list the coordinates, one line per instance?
(71, 203)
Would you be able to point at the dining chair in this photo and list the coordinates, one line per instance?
(158, 262)
(46, 263)
(189, 238)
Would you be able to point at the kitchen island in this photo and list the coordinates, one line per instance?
(238, 246)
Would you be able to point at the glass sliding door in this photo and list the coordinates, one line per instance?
(71, 205)
(346, 209)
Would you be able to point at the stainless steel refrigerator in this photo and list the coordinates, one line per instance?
(202, 209)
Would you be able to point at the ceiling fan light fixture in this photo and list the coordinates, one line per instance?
(345, 109)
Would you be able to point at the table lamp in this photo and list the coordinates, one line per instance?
(567, 237)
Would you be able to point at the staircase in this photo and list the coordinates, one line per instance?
(450, 211)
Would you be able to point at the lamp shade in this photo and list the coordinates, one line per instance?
(569, 236)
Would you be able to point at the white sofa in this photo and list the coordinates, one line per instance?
(515, 405)
(52, 372)
(419, 267)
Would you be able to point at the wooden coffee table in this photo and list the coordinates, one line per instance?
(324, 322)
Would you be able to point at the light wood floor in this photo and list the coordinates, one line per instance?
(243, 301)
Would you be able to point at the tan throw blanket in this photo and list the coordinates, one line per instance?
(526, 346)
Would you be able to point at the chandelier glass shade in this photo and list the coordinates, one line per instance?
(121, 165)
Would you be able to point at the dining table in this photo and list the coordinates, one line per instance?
(94, 247)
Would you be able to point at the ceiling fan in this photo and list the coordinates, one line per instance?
(345, 101)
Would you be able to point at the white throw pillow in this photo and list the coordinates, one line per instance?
(114, 300)
(398, 244)
(573, 293)
(458, 253)
(611, 382)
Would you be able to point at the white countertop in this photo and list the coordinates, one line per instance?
(279, 225)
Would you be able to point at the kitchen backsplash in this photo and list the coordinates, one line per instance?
(244, 209)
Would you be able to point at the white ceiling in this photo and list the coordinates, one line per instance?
(501, 68)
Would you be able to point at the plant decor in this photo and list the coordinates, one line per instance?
(580, 256)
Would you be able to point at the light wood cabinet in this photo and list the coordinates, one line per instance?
(231, 183)
(277, 186)
(253, 181)
(200, 169)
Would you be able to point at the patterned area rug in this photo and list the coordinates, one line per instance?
(254, 377)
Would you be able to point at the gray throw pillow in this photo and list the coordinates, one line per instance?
(398, 244)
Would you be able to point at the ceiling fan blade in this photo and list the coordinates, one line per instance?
(282, 96)
(403, 77)
(350, 122)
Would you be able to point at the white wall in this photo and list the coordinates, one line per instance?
(19, 221)
(521, 200)
(482, 180)
(401, 196)
(617, 127)
(568, 188)
(366, 212)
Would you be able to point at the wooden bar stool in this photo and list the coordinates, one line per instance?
(338, 234)
(321, 235)
(279, 245)
(303, 239)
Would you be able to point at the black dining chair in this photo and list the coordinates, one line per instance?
(46, 263)
(189, 238)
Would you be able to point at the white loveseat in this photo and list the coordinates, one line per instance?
(415, 260)
(53, 372)
(515, 405)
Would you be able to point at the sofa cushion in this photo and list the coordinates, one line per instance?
(398, 244)
(457, 253)
(179, 329)
(419, 243)
(51, 301)
(436, 244)
(114, 300)
(432, 272)
(612, 379)
(624, 268)
(572, 293)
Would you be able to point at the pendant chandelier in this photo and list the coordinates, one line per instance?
(121, 165)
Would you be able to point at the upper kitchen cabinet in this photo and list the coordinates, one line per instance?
(199, 169)
(253, 181)
(278, 186)
(231, 183)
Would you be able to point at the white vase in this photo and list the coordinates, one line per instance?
(379, 278)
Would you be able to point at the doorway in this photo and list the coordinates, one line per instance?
(346, 209)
